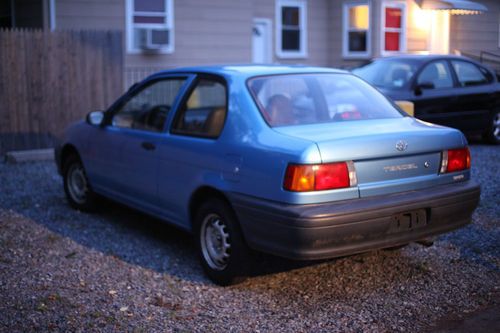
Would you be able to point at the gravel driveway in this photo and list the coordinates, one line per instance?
(119, 270)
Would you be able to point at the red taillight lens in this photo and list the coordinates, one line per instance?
(332, 175)
(455, 160)
(319, 177)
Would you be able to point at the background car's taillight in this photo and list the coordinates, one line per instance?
(455, 160)
(319, 177)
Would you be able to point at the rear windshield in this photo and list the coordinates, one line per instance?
(392, 74)
(298, 99)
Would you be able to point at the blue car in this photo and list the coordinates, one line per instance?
(300, 162)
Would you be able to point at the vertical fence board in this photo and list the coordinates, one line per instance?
(50, 79)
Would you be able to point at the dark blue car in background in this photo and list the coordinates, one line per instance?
(453, 91)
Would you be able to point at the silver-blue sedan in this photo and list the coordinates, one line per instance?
(300, 162)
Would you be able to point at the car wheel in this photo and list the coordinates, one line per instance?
(76, 185)
(222, 250)
(493, 132)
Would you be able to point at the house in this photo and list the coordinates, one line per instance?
(161, 34)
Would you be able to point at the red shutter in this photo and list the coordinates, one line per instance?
(392, 41)
(393, 18)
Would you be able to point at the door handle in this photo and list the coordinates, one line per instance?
(148, 145)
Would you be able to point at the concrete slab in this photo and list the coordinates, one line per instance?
(29, 155)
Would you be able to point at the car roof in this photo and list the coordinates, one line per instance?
(423, 57)
(247, 71)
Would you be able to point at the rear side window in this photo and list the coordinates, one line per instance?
(469, 74)
(437, 73)
(204, 111)
(391, 74)
(299, 99)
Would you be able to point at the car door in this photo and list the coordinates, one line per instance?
(124, 154)
(475, 95)
(192, 151)
(435, 93)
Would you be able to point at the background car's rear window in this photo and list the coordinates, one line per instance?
(391, 74)
(318, 98)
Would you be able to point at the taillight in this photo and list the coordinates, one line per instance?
(319, 177)
(455, 160)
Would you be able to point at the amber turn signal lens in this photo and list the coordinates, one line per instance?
(319, 177)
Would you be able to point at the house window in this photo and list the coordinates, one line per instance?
(356, 29)
(393, 27)
(150, 26)
(291, 34)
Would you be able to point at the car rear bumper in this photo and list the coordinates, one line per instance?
(333, 229)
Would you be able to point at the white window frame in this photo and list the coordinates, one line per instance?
(302, 5)
(130, 25)
(401, 31)
(345, 31)
(52, 15)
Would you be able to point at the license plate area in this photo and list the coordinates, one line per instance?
(408, 221)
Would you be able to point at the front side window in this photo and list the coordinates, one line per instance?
(204, 112)
(291, 29)
(469, 74)
(150, 25)
(300, 99)
(393, 27)
(356, 32)
(148, 109)
(437, 74)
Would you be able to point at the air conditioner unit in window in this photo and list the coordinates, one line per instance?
(152, 39)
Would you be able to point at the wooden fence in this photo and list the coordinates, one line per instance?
(50, 79)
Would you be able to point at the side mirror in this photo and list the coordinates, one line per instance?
(423, 86)
(95, 118)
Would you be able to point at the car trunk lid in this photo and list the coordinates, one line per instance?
(389, 155)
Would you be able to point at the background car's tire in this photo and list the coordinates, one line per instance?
(76, 185)
(395, 248)
(492, 135)
(223, 252)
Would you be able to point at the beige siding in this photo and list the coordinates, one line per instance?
(475, 33)
(219, 31)
(90, 14)
(336, 59)
(416, 34)
(205, 34)
(318, 17)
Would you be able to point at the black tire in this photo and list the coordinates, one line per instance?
(222, 250)
(492, 134)
(395, 248)
(76, 185)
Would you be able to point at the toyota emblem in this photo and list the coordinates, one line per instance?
(401, 145)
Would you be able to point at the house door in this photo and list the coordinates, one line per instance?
(261, 41)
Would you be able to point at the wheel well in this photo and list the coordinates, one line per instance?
(201, 195)
(66, 152)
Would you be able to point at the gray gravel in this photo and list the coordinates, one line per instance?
(119, 270)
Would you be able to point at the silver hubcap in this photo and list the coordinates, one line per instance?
(77, 184)
(215, 243)
(496, 126)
